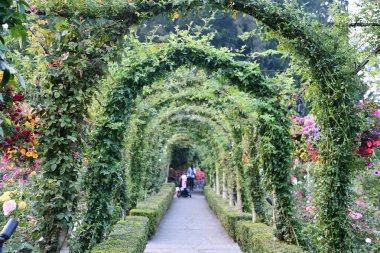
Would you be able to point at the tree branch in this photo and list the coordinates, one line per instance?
(360, 24)
(366, 60)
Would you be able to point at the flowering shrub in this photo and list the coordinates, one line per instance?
(306, 134)
(19, 164)
(18, 146)
(365, 221)
(17, 203)
(364, 214)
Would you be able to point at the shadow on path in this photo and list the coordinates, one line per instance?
(189, 226)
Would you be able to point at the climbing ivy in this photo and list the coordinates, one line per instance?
(88, 34)
(153, 67)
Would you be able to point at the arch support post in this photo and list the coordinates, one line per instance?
(273, 149)
(224, 183)
(217, 181)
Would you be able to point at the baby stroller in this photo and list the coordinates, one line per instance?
(183, 192)
(182, 189)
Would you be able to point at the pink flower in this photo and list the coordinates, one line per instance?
(5, 177)
(5, 159)
(29, 218)
(309, 209)
(377, 114)
(361, 104)
(309, 120)
(9, 206)
(356, 216)
(360, 203)
(376, 172)
(17, 172)
(294, 180)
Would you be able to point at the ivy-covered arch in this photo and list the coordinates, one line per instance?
(333, 71)
(235, 167)
(246, 76)
(167, 124)
(226, 99)
(153, 140)
(195, 123)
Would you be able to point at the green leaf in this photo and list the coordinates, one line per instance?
(7, 121)
(21, 80)
(72, 138)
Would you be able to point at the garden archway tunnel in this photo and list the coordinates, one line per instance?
(335, 87)
(205, 96)
(242, 74)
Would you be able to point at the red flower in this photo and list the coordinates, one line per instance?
(369, 144)
(18, 98)
(8, 141)
(26, 132)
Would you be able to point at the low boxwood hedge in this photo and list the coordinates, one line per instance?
(258, 237)
(155, 206)
(128, 236)
(228, 215)
(251, 237)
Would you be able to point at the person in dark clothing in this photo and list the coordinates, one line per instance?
(191, 177)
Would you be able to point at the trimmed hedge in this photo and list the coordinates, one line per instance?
(128, 236)
(258, 237)
(251, 237)
(228, 215)
(155, 206)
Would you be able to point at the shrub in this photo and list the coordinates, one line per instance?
(228, 215)
(155, 206)
(258, 237)
(251, 237)
(128, 236)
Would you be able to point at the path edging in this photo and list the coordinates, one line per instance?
(128, 236)
(155, 207)
(131, 235)
(251, 237)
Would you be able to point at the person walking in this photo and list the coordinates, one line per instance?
(191, 177)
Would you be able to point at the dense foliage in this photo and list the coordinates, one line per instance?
(101, 150)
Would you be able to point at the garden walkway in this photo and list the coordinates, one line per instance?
(189, 226)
